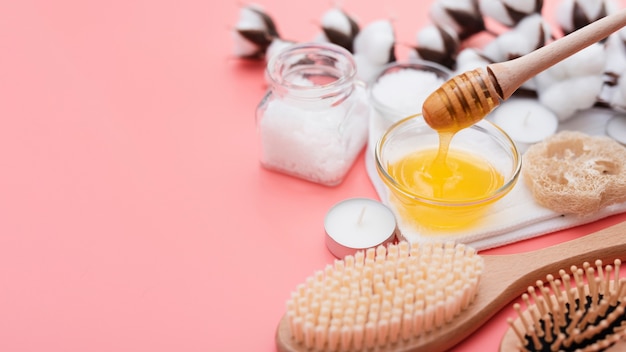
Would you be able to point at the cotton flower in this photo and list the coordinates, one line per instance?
(374, 47)
(462, 16)
(277, 46)
(617, 99)
(573, 84)
(438, 45)
(469, 59)
(253, 33)
(529, 34)
(614, 92)
(339, 28)
(565, 98)
(615, 52)
(510, 12)
(575, 14)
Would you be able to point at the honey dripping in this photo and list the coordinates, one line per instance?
(444, 174)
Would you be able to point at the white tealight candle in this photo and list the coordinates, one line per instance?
(616, 128)
(526, 121)
(357, 224)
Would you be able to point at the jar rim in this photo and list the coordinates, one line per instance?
(333, 52)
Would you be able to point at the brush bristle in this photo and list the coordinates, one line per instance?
(383, 296)
(581, 311)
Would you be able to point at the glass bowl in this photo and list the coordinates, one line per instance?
(482, 166)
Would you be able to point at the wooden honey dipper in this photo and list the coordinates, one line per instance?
(468, 97)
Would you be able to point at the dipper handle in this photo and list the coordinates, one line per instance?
(467, 98)
(510, 75)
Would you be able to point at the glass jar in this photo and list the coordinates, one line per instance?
(313, 121)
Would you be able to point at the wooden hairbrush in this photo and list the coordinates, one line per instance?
(469, 97)
(499, 279)
(583, 310)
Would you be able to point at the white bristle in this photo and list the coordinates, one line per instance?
(383, 296)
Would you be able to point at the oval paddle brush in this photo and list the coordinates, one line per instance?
(578, 311)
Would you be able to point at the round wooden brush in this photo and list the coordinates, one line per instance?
(578, 311)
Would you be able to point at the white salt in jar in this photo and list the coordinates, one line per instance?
(313, 121)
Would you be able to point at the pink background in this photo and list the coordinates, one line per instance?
(134, 215)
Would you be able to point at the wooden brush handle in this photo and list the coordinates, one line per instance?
(510, 75)
(505, 277)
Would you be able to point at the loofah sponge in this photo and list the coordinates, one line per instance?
(574, 173)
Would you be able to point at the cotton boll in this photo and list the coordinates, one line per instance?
(618, 98)
(589, 61)
(567, 97)
(244, 48)
(374, 47)
(469, 59)
(339, 28)
(536, 30)
(592, 9)
(615, 53)
(438, 45)
(621, 34)
(510, 12)
(251, 18)
(376, 42)
(493, 51)
(544, 80)
(337, 20)
(462, 16)
(575, 14)
(277, 46)
(496, 10)
(254, 32)
(528, 35)
(527, 7)
(513, 45)
(612, 6)
(366, 70)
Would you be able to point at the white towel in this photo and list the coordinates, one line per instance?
(516, 216)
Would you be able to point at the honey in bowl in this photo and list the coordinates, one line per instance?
(435, 187)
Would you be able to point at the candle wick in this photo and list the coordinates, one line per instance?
(360, 221)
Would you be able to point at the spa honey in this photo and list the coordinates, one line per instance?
(457, 176)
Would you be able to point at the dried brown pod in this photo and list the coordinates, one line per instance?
(510, 12)
(463, 16)
(574, 14)
(581, 18)
(438, 45)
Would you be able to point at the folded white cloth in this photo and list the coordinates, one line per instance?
(516, 216)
